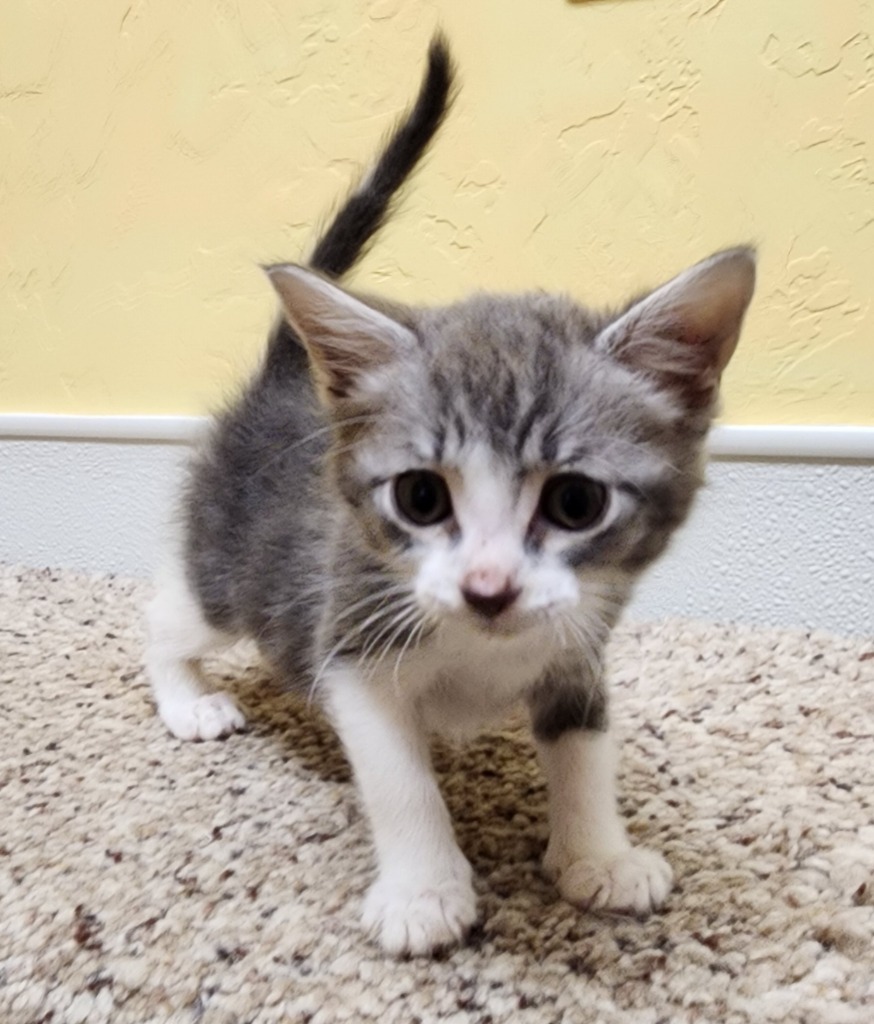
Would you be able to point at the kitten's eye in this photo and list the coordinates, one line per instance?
(573, 501)
(422, 497)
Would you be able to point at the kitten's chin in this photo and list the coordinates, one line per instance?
(509, 625)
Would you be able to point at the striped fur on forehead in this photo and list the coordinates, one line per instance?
(496, 365)
(521, 374)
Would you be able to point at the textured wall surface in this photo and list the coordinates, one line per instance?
(151, 154)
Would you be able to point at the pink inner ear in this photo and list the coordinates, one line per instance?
(712, 313)
(684, 333)
(344, 336)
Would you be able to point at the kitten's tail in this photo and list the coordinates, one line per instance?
(365, 211)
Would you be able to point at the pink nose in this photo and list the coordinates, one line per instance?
(488, 593)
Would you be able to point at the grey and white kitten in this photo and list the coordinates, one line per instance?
(429, 516)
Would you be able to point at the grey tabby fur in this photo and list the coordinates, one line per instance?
(285, 537)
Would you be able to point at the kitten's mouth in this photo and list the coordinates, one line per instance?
(509, 623)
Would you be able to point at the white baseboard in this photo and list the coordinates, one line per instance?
(783, 535)
(804, 442)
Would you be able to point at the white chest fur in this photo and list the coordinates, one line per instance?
(461, 681)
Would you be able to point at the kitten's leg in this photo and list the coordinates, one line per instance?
(422, 898)
(178, 637)
(589, 853)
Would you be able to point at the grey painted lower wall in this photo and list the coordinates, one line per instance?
(783, 543)
(775, 543)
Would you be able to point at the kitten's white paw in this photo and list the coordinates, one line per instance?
(207, 718)
(634, 881)
(419, 920)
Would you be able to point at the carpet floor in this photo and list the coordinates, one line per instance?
(147, 880)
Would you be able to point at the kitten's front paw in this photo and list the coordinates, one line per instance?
(207, 718)
(634, 881)
(419, 920)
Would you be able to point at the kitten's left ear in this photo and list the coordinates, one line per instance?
(347, 340)
(683, 334)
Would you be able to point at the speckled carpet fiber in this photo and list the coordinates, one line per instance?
(143, 879)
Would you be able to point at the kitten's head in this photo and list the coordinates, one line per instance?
(518, 460)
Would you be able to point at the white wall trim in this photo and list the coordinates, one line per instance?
(726, 441)
(55, 427)
(801, 442)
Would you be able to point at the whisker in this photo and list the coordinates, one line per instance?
(589, 644)
(558, 624)
(313, 598)
(346, 639)
(384, 596)
(415, 632)
(405, 622)
(403, 611)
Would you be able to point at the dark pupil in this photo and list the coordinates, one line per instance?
(573, 502)
(422, 497)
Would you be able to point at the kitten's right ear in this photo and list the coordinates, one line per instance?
(348, 341)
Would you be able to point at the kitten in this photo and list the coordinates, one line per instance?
(428, 516)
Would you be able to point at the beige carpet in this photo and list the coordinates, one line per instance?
(142, 879)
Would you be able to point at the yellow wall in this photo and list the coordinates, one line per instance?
(152, 153)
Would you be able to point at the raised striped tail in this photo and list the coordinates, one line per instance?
(366, 209)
